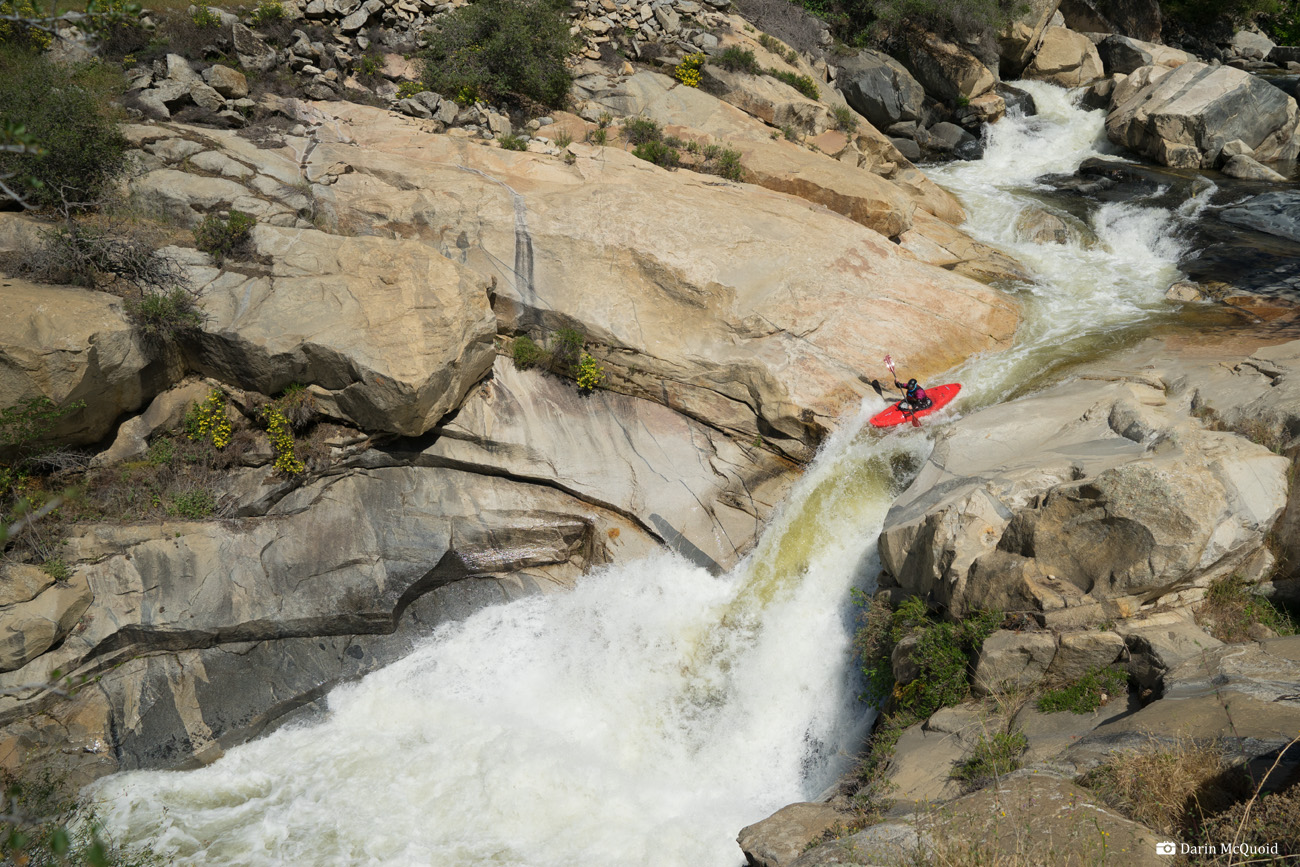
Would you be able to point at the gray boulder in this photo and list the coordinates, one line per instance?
(1273, 213)
(1184, 117)
(880, 88)
(780, 838)
(1123, 54)
(1245, 167)
(947, 71)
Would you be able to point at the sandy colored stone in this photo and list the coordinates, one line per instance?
(1065, 58)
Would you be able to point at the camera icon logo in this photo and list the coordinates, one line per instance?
(1166, 847)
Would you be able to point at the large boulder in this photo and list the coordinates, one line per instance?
(780, 838)
(1184, 117)
(1020, 38)
(390, 333)
(681, 481)
(947, 71)
(1139, 19)
(1275, 213)
(709, 333)
(1121, 55)
(31, 622)
(1087, 501)
(1065, 58)
(879, 88)
(72, 345)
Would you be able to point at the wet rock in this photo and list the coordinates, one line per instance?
(1276, 213)
(1017, 100)
(1123, 55)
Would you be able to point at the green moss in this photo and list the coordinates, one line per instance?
(1086, 694)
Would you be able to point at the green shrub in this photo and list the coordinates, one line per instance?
(801, 83)
(503, 50)
(863, 20)
(23, 425)
(563, 139)
(268, 12)
(165, 315)
(221, 237)
(408, 89)
(790, 133)
(56, 569)
(1086, 694)
(69, 112)
(992, 757)
(17, 32)
(370, 64)
(737, 59)
(598, 136)
(1230, 610)
(658, 152)
(525, 352)
(1234, 11)
(640, 130)
(193, 505)
(845, 120)
(567, 347)
(206, 19)
(512, 142)
(161, 452)
(726, 165)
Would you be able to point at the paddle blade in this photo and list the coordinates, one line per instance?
(889, 362)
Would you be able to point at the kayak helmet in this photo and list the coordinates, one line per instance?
(911, 383)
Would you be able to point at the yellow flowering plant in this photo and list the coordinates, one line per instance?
(280, 431)
(207, 421)
(688, 71)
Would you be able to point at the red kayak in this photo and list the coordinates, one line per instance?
(940, 396)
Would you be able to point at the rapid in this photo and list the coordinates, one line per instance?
(649, 714)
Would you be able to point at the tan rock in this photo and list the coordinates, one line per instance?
(28, 629)
(938, 243)
(1066, 58)
(1081, 652)
(228, 82)
(781, 837)
(947, 71)
(69, 345)
(391, 333)
(165, 412)
(1018, 41)
(1013, 660)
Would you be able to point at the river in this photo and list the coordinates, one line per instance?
(649, 714)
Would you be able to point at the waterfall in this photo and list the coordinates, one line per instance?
(646, 716)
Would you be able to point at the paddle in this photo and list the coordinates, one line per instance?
(889, 362)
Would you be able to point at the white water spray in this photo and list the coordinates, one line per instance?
(649, 714)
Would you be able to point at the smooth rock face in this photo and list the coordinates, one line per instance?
(71, 345)
(1185, 117)
(946, 71)
(879, 88)
(391, 333)
(681, 481)
(30, 627)
(1123, 55)
(1159, 642)
(1246, 168)
(1065, 58)
(1276, 213)
(780, 838)
(1013, 660)
(1152, 502)
(714, 330)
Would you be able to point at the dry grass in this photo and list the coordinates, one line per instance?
(1231, 612)
(1168, 786)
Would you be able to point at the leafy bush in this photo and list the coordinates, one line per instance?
(688, 71)
(737, 59)
(640, 130)
(512, 143)
(221, 237)
(56, 569)
(658, 152)
(525, 352)
(165, 316)
(205, 19)
(370, 64)
(195, 504)
(69, 112)
(17, 32)
(992, 757)
(503, 50)
(801, 83)
(408, 89)
(726, 165)
(567, 347)
(267, 12)
(598, 136)
(862, 20)
(590, 373)
(845, 120)
(1086, 694)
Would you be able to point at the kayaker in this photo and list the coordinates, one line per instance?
(916, 398)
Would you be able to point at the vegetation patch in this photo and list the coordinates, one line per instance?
(502, 50)
(1231, 611)
(689, 71)
(69, 110)
(564, 355)
(845, 120)
(222, 236)
(993, 757)
(1086, 694)
(513, 142)
(737, 59)
(801, 83)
